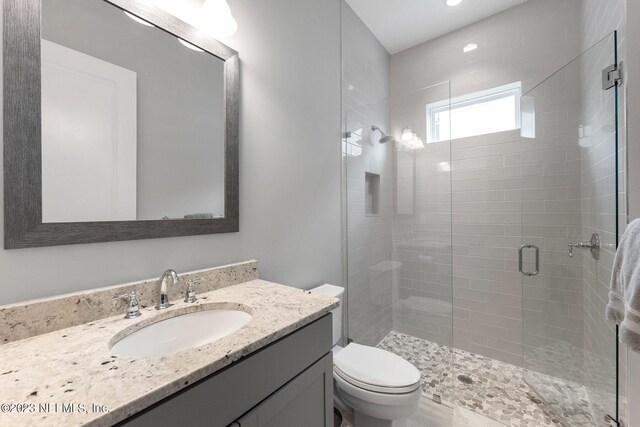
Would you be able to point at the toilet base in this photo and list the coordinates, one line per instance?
(361, 419)
(343, 408)
(352, 417)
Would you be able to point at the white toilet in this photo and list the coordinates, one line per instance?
(378, 386)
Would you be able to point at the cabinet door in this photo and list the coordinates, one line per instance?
(307, 400)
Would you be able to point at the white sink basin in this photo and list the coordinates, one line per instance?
(180, 333)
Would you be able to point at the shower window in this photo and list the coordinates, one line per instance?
(352, 143)
(479, 113)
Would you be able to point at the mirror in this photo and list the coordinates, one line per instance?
(132, 119)
(130, 126)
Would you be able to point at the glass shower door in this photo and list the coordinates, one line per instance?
(422, 239)
(398, 234)
(569, 234)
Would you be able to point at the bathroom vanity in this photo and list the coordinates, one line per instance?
(276, 370)
(284, 384)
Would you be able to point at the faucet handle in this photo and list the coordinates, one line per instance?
(134, 306)
(190, 294)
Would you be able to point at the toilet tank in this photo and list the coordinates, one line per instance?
(336, 292)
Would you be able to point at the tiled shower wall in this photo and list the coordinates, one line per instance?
(365, 103)
(599, 19)
(526, 43)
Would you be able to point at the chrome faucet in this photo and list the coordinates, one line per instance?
(164, 295)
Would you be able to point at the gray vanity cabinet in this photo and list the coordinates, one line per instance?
(286, 384)
(306, 400)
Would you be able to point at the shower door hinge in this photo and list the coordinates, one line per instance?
(612, 76)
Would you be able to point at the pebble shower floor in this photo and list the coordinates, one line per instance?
(497, 390)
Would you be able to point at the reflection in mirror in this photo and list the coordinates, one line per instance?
(132, 119)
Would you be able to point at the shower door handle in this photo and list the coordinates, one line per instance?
(520, 262)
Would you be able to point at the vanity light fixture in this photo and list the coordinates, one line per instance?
(217, 18)
(138, 20)
(452, 3)
(189, 45)
(470, 47)
(410, 139)
(407, 135)
(416, 144)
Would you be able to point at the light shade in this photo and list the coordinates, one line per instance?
(407, 135)
(138, 20)
(217, 18)
(415, 144)
(410, 139)
(189, 45)
(453, 2)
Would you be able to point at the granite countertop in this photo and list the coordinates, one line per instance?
(69, 377)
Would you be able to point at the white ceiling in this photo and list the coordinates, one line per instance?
(401, 24)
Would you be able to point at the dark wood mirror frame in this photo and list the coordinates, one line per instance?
(23, 226)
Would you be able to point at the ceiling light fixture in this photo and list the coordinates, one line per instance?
(138, 20)
(470, 47)
(217, 18)
(190, 46)
(452, 3)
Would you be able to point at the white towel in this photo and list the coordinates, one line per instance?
(624, 294)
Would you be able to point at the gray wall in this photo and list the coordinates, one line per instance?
(365, 103)
(289, 170)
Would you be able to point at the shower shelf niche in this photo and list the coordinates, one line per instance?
(372, 194)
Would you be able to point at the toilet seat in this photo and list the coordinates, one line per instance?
(371, 387)
(350, 392)
(375, 370)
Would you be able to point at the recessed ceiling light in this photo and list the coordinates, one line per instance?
(138, 20)
(470, 47)
(453, 2)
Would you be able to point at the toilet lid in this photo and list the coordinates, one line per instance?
(368, 366)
